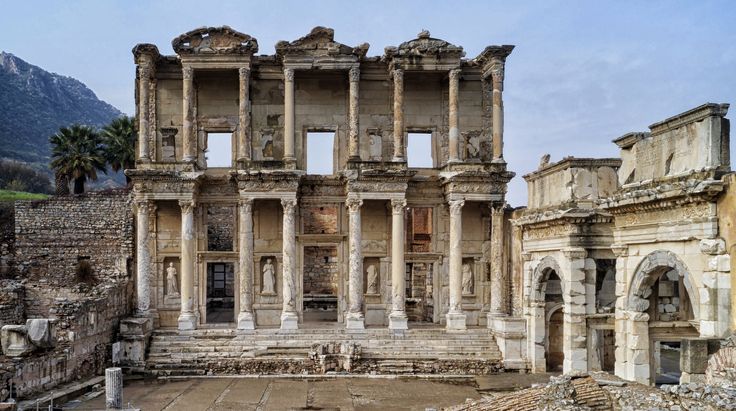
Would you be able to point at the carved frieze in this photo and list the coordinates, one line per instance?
(687, 212)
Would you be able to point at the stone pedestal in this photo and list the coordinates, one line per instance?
(135, 335)
(14, 339)
(456, 321)
(510, 334)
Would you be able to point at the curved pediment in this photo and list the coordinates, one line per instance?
(215, 40)
(319, 42)
(424, 45)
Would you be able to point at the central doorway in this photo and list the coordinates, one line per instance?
(321, 274)
(220, 292)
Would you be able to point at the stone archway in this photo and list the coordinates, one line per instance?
(539, 312)
(634, 344)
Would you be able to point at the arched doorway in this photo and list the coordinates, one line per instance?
(555, 355)
(546, 330)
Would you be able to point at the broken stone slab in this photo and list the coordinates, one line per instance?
(41, 332)
(14, 341)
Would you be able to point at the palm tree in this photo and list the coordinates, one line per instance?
(119, 139)
(77, 153)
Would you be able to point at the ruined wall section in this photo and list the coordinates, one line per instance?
(54, 236)
(7, 237)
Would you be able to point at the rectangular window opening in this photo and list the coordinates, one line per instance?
(319, 153)
(419, 150)
(219, 150)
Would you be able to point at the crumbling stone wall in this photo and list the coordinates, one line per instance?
(53, 236)
(220, 228)
(7, 237)
(12, 296)
(321, 270)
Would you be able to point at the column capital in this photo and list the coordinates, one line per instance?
(455, 74)
(398, 74)
(187, 72)
(497, 208)
(398, 205)
(620, 250)
(244, 72)
(353, 204)
(187, 206)
(574, 252)
(142, 205)
(145, 72)
(246, 203)
(456, 206)
(497, 71)
(354, 74)
(289, 204)
(288, 74)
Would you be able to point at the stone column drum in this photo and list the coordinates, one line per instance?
(355, 318)
(497, 73)
(144, 74)
(189, 142)
(289, 317)
(244, 114)
(455, 316)
(354, 140)
(143, 259)
(289, 116)
(114, 388)
(397, 320)
(246, 320)
(187, 317)
(453, 115)
(499, 279)
(399, 152)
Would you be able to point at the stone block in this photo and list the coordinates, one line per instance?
(456, 322)
(693, 356)
(289, 321)
(41, 332)
(666, 288)
(712, 246)
(136, 326)
(14, 340)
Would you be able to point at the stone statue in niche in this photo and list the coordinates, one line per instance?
(267, 144)
(172, 282)
(372, 280)
(467, 279)
(472, 145)
(375, 147)
(269, 278)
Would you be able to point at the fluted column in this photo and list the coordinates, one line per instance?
(497, 73)
(143, 259)
(453, 115)
(244, 115)
(144, 87)
(289, 317)
(499, 279)
(355, 318)
(397, 320)
(187, 317)
(399, 152)
(245, 261)
(189, 142)
(455, 316)
(354, 141)
(289, 116)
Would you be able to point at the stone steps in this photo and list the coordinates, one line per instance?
(273, 351)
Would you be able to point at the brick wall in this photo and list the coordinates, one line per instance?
(320, 270)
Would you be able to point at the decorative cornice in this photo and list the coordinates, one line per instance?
(572, 162)
(690, 116)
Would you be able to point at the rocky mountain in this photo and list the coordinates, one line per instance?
(35, 103)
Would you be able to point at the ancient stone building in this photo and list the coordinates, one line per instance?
(258, 241)
(626, 259)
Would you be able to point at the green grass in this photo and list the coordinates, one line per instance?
(7, 195)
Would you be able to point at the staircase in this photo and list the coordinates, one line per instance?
(320, 351)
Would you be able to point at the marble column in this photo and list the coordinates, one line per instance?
(455, 316)
(355, 318)
(144, 88)
(399, 152)
(289, 317)
(289, 116)
(354, 141)
(244, 115)
(246, 320)
(397, 320)
(497, 73)
(189, 135)
(187, 317)
(143, 259)
(453, 116)
(499, 279)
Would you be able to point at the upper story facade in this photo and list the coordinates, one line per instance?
(267, 105)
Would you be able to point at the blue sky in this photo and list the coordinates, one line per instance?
(582, 73)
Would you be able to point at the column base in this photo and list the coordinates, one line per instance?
(456, 321)
(246, 321)
(398, 321)
(289, 321)
(510, 334)
(290, 163)
(499, 160)
(187, 321)
(355, 321)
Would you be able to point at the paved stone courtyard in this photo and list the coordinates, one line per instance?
(287, 394)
